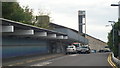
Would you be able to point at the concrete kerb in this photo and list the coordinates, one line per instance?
(116, 61)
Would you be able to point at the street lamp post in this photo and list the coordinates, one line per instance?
(119, 46)
(118, 18)
(118, 8)
(119, 33)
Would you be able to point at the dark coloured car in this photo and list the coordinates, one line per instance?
(101, 51)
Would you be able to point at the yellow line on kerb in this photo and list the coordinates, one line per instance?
(110, 62)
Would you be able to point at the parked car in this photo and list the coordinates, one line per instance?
(104, 50)
(101, 51)
(71, 49)
(83, 49)
(107, 50)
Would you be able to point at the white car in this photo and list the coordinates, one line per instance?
(83, 49)
(71, 49)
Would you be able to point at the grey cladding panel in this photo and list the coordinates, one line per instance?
(73, 35)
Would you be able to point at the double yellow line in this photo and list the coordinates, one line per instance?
(110, 62)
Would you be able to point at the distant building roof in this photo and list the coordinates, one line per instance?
(56, 25)
(72, 33)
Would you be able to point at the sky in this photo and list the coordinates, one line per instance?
(65, 13)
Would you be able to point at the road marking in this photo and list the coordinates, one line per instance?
(10, 65)
(110, 61)
(73, 55)
(29, 61)
(42, 64)
(59, 58)
(19, 63)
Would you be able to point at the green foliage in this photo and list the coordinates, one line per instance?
(116, 38)
(13, 11)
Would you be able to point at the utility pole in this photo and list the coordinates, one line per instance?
(119, 45)
(118, 20)
(118, 8)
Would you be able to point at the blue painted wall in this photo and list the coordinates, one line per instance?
(13, 47)
(13, 51)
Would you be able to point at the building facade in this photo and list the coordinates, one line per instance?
(20, 39)
(95, 43)
(73, 35)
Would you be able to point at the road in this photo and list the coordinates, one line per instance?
(94, 59)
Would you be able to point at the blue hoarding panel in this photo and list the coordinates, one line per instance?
(13, 51)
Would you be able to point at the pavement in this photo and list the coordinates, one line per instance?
(27, 60)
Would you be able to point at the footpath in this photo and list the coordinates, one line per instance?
(27, 60)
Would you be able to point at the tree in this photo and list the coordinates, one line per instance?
(13, 11)
(116, 38)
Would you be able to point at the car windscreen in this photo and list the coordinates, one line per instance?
(70, 46)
